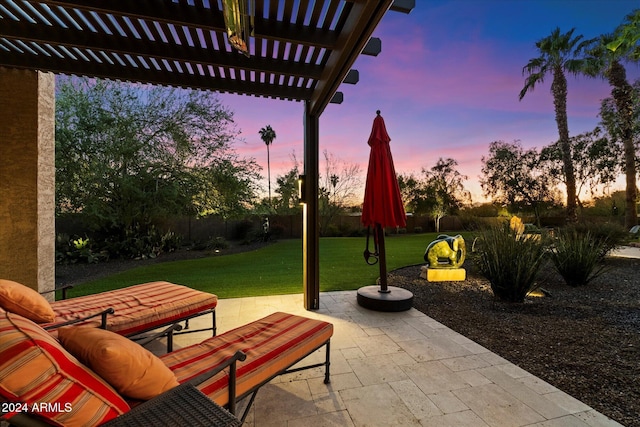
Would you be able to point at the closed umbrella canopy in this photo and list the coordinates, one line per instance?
(382, 202)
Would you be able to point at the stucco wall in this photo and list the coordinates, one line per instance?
(27, 177)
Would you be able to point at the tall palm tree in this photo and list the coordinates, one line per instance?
(558, 53)
(267, 134)
(604, 59)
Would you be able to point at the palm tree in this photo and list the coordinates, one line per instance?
(557, 56)
(604, 59)
(628, 34)
(267, 134)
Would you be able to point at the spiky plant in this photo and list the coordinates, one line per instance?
(509, 262)
(577, 255)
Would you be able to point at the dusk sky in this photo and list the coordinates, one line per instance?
(447, 83)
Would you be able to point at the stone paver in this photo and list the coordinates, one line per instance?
(399, 369)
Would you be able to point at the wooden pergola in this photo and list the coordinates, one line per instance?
(300, 50)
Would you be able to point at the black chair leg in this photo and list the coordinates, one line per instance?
(327, 363)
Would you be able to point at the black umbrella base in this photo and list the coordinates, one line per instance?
(397, 299)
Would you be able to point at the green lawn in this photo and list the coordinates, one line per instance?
(274, 269)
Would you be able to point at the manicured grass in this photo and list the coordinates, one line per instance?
(274, 269)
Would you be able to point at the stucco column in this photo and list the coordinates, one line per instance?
(27, 177)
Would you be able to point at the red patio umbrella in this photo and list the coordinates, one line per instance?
(382, 208)
(382, 201)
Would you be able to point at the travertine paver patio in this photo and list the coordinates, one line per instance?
(399, 369)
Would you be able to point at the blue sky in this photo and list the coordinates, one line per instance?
(447, 83)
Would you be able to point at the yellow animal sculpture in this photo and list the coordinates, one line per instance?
(446, 252)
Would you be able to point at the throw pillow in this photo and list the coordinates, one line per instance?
(131, 369)
(20, 299)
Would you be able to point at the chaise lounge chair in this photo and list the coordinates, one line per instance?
(128, 311)
(36, 368)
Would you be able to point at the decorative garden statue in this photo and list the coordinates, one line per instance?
(450, 249)
(516, 225)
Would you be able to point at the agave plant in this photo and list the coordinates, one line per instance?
(578, 255)
(509, 262)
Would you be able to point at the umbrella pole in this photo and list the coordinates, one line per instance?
(382, 258)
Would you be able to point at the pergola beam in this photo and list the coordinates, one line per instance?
(175, 78)
(354, 36)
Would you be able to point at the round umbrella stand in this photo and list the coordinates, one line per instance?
(395, 299)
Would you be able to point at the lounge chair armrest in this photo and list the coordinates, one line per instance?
(231, 361)
(64, 290)
(168, 332)
(103, 325)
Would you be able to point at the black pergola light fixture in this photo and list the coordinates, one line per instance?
(239, 23)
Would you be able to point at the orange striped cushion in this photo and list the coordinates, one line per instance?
(137, 308)
(35, 369)
(272, 345)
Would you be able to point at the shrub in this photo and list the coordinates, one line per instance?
(72, 251)
(346, 230)
(609, 235)
(211, 244)
(134, 242)
(141, 245)
(256, 235)
(577, 255)
(218, 243)
(244, 229)
(61, 248)
(509, 263)
(171, 241)
(331, 230)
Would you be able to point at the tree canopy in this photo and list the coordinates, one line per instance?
(596, 161)
(286, 201)
(437, 192)
(515, 177)
(129, 154)
(627, 36)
